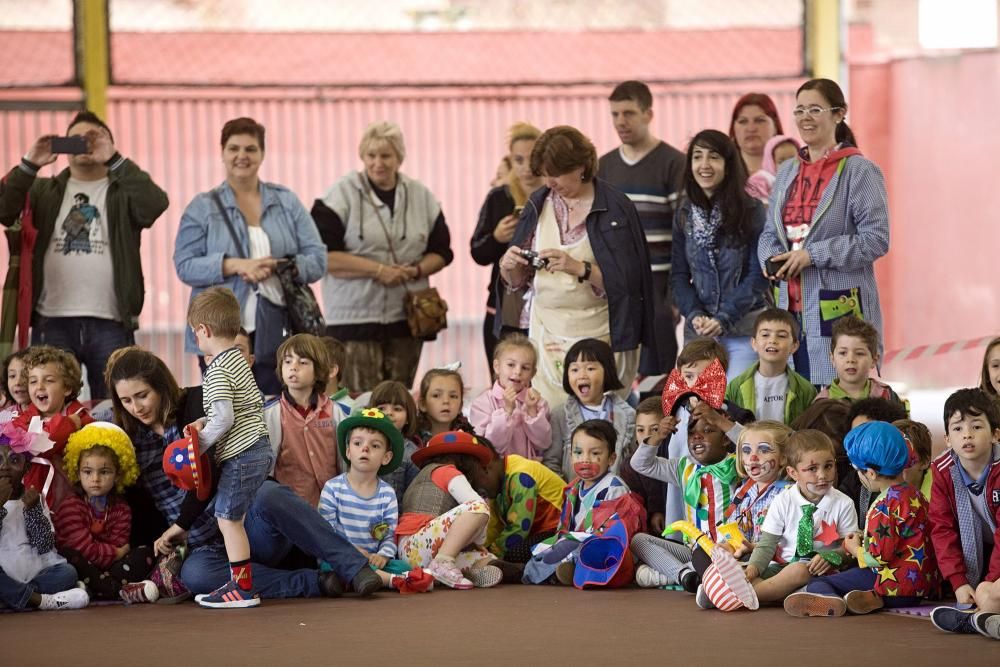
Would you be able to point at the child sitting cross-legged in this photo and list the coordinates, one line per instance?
(896, 566)
(93, 527)
(592, 456)
(32, 573)
(443, 525)
(361, 507)
(802, 533)
(965, 512)
(707, 479)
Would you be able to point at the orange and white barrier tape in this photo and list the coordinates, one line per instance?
(935, 350)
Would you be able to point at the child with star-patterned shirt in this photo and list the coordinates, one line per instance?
(896, 566)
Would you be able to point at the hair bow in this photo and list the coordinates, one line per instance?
(709, 387)
(34, 441)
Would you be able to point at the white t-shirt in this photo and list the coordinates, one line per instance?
(79, 276)
(834, 518)
(770, 393)
(270, 289)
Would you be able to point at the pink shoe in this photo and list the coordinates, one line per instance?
(445, 571)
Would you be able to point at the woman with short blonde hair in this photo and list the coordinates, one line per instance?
(385, 235)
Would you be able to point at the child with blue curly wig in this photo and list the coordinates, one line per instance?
(93, 526)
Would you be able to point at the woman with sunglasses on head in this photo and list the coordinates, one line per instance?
(828, 221)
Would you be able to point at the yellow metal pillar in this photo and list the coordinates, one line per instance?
(823, 39)
(93, 64)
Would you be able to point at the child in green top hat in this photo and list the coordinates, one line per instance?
(361, 507)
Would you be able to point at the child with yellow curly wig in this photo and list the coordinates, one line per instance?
(93, 526)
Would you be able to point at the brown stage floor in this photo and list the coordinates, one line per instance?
(500, 626)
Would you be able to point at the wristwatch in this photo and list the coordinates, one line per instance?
(587, 268)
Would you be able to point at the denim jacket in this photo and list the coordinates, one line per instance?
(732, 290)
(203, 241)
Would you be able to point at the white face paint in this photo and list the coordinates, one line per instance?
(760, 458)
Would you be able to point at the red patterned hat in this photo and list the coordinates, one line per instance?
(453, 442)
(186, 467)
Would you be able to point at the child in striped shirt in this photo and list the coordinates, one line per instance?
(234, 430)
(361, 507)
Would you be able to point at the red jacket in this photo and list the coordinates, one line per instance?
(96, 539)
(945, 532)
(58, 427)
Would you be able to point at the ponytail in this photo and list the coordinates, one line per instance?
(844, 135)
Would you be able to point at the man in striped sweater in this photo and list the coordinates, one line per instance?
(651, 173)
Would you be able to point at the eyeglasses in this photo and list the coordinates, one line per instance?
(812, 111)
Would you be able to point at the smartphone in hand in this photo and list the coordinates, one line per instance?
(75, 145)
(773, 267)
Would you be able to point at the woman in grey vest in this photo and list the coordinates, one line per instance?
(384, 233)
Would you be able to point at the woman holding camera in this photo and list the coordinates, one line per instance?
(497, 222)
(580, 245)
(828, 222)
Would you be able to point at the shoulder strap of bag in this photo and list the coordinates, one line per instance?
(381, 222)
(229, 223)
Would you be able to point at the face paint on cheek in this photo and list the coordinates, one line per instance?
(817, 489)
(586, 470)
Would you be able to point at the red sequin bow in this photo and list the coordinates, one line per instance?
(709, 387)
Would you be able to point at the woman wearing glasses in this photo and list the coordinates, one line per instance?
(828, 222)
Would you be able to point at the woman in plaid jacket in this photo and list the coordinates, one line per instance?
(827, 224)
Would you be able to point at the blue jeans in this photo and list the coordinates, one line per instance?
(741, 354)
(53, 579)
(277, 520)
(855, 579)
(90, 339)
(239, 479)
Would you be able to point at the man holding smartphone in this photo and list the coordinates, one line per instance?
(651, 173)
(87, 286)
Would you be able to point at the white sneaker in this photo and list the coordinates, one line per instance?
(647, 577)
(74, 598)
(701, 598)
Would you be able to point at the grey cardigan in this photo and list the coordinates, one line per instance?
(565, 419)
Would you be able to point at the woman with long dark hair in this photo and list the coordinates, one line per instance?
(716, 282)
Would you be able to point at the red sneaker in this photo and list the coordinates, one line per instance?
(414, 581)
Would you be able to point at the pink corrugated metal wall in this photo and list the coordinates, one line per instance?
(454, 140)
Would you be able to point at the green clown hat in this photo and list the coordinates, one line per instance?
(376, 420)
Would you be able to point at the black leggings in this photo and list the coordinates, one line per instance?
(105, 584)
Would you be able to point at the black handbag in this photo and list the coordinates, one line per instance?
(304, 314)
